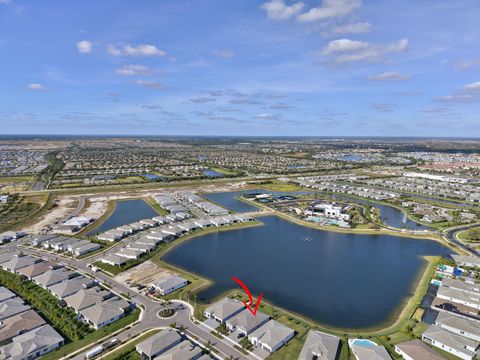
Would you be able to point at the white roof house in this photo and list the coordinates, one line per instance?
(245, 322)
(52, 277)
(367, 350)
(158, 343)
(271, 336)
(459, 325)
(417, 350)
(104, 313)
(459, 296)
(86, 298)
(5, 294)
(70, 287)
(12, 307)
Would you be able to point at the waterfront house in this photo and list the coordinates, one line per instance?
(417, 350)
(364, 349)
(320, 346)
(158, 344)
(223, 310)
(464, 260)
(447, 341)
(460, 297)
(169, 284)
(271, 336)
(469, 287)
(107, 236)
(458, 325)
(245, 322)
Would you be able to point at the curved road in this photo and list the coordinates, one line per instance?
(149, 317)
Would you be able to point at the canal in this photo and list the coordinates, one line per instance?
(126, 212)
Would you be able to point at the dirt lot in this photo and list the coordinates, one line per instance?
(145, 273)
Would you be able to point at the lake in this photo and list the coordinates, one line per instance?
(126, 212)
(337, 279)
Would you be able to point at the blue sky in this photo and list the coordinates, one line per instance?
(213, 67)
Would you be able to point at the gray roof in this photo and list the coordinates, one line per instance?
(5, 294)
(30, 343)
(323, 346)
(52, 277)
(117, 260)
(458, 295)
(37, 268)
(7, 256)
(105, 310)
(18, 262)
(466, 259)
(371, 353)
(69, 287)
(12, 326)
(459, 323)
(183, 351)
(450, 339)
(248, 322)
(86, 297)
(159, 343)
(225, 308)
(417, 350)
(12, 307)
(169, 282)
(87, 247)
(461, 285)
(272, 333)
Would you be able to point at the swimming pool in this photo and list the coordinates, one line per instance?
(362, 342)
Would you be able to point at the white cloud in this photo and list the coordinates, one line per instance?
(390, 76)
(345, 50)
(226, 54)
(382, 107)
(354, 28)
(36, 86)
(84, 47)
(266, 116)
(473, 86)
(6, 2)
(330, 9)
(278, 10)
(138, 50)
(132, 70)
(150, 84)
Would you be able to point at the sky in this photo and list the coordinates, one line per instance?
(238, 68)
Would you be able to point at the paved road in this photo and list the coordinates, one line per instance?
(149, 318)
(451, 236)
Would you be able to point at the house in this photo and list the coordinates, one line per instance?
(126, 229)
(37, 269)
(461, 285)
(114, 260)
(320, 346)
(86, 298)
(447, 341)
(219, 221)
(104, 313)
(223, 310)
(149, 222)
(39, 239)
(12, 307)
(458, 325)
(464, 260)
(110, 236)
(188, 226)
(19, 323)
(173, 230)
(147, 241)
(245, 322)
(130, 253)
(70, 287)
(52, 277)
(271, 336)
(141, 246)
(159, 220)
(32, 344)
(169, 284)
(158, 344)
(85, 249)
(64, 244)
(138, 226)
(184, 351)
(160, 236)
(10, 235)
(203, 223)
(460, 297)
(3, 199)
(417, 350)
(364, 349)
(6, 294)
(72, 246)
(18, 262)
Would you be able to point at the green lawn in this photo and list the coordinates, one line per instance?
(128, 351)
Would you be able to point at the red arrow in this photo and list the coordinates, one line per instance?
(251, 307)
